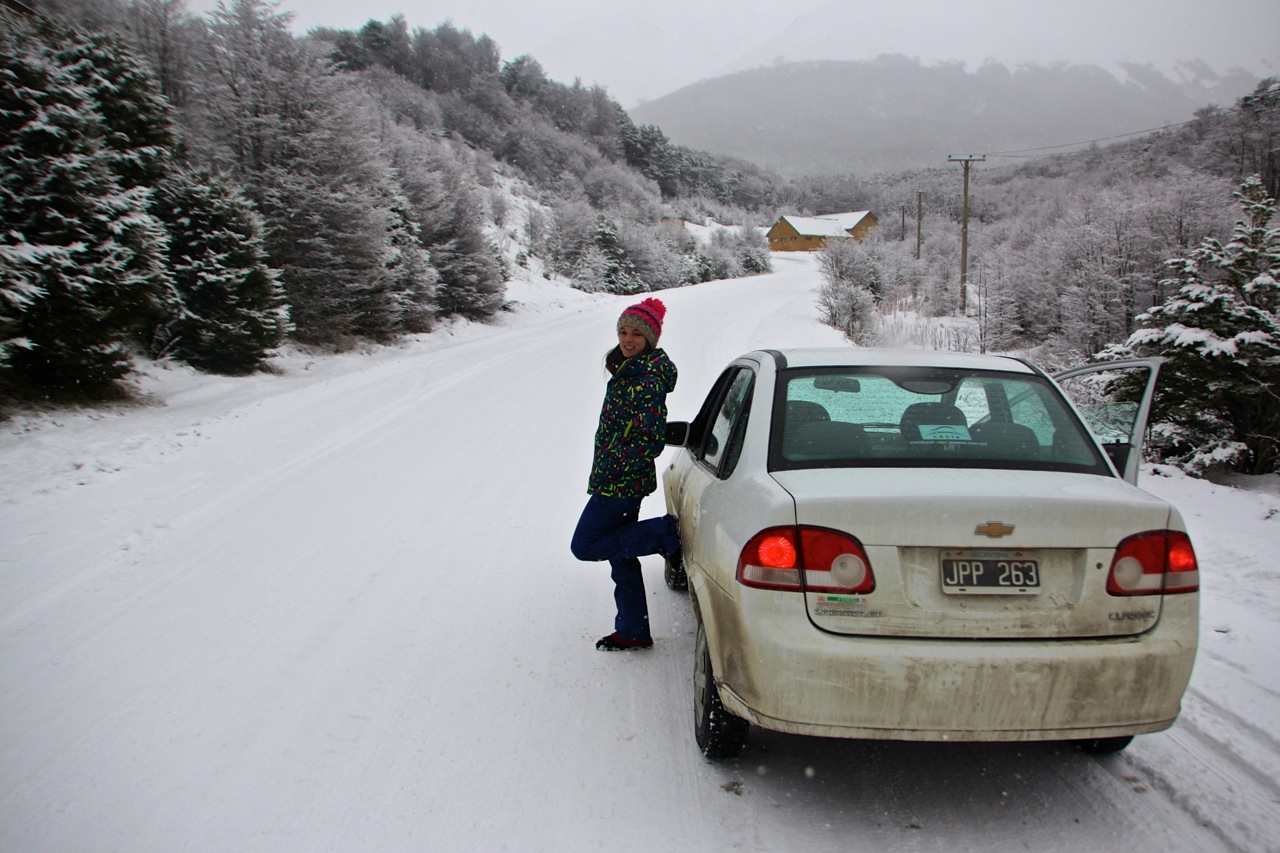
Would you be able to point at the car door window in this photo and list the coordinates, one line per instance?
(1109, 415)
(723, 442)
(1115, 399)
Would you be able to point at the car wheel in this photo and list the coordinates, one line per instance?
(675, 575)
(719, 734)
(1105, 745)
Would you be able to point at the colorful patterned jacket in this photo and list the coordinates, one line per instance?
(632, 429)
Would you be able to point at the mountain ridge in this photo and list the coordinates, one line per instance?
(895, 113)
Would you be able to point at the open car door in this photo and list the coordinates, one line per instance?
(1115, 400)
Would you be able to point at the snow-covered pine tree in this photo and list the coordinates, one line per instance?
(331, 241)
(137, 122)
(471, 283)
(80, 256)
(471, 278)
(138, 137)
(619, 272)
(232, 309)
(413, 280)
(1218, 403)
(588, 273)
(647, 148)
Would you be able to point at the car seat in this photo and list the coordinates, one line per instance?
(928, 414)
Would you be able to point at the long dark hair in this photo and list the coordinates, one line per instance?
(613, 358)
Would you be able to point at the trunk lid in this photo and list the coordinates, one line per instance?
(978, 553)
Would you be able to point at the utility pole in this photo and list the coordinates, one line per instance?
(964, 230)
(919, 217)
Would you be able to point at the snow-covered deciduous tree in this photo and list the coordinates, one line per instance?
(852, 287)
(610, 186)
(308, 145)
(387, 45)
(851, 308)
(464, 276)
(447, 59)
(166, 34)
(717, 258)
(1218, 404)
(753, 250)
(1245, 140)
(730, 253)
(523, 77)
(843, 262)
(230, 310)
(569, 234)
(257, 88)
(548, 156)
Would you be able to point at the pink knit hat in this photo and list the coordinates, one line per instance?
(646, 318)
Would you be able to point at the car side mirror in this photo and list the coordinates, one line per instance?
(677, 433)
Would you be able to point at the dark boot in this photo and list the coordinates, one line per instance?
(615, 642)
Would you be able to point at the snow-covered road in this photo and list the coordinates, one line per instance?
(334, 610)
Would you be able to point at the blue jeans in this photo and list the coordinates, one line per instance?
(609, 530)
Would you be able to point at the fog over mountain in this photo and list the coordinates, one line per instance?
(645, 51)
(870, 87)
(1224, 34)
(894, 113)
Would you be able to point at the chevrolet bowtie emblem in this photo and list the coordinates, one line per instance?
(993, 529)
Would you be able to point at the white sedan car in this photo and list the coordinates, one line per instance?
(921, 546)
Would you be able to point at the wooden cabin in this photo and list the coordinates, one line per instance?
(810, 233)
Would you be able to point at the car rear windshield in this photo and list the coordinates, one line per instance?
(926, 417)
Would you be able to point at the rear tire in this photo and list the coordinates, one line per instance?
(675, 575)
(719, 734)
(1105, 745)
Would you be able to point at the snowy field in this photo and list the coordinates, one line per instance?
(334, 609)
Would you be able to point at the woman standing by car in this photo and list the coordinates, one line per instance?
(630, 436)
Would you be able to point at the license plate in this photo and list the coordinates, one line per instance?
(990, 573)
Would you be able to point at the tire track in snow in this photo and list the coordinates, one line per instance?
(1209, 778)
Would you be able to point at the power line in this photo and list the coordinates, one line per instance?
(20, 8)
(1028, 151)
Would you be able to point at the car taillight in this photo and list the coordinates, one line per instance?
(1161, 561)
(830, 561)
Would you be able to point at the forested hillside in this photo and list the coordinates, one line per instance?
(202, 187)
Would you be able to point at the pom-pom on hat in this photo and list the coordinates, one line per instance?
(646, 318)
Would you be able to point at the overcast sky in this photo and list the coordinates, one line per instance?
(643, 49)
